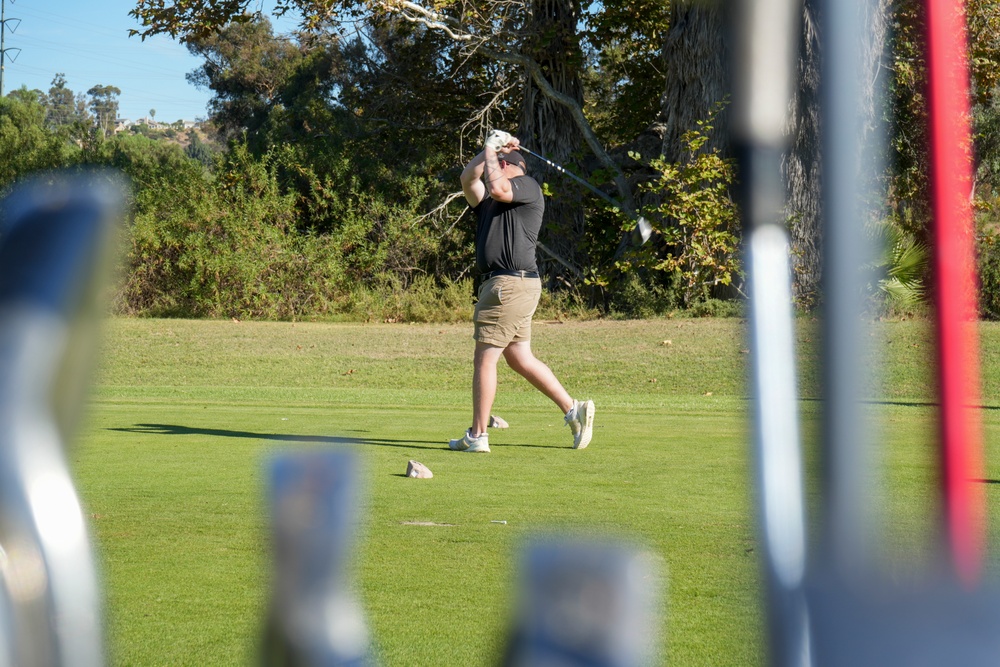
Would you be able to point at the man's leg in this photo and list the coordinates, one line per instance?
(579, 415)
(484, 385)
(523, 361)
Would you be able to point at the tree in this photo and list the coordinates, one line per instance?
(546, 121)
(695, 52)
(246, 68)
(104, 106)
(513, 34)
(199, 150)
(66, 113)
(898, 24)
(624, 73)
(909, 113)
(61, 103)
(696, 56)
(26, 144)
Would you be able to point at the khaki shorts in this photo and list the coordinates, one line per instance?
(503, 313)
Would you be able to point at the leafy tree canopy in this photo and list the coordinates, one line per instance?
(624, 42)
(26, 144)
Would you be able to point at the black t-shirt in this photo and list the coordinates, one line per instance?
(506, 233)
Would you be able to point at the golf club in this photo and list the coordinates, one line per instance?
(315, 618)
(56, 246)
(643, 229)
(585, 601)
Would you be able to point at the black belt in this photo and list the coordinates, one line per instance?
(509, 272)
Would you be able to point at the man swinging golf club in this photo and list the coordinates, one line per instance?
(508, 205)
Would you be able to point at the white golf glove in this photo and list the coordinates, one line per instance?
(497, 139)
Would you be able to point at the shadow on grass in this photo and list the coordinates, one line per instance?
(173, 429)
(927, 404)
(903, 404)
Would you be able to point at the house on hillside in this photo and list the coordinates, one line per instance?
(150, 123)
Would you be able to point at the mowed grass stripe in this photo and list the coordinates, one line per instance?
(683, 357)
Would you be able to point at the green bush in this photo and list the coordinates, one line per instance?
(285, 235)
(232, 245)
(696, 240)
(895, 279)
(988, 259)
(202, 248)
(425, 300)
(719, 308)
(563, 305)
(640, 297)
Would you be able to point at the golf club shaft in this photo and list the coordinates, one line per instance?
(579, 180)
(638, 237)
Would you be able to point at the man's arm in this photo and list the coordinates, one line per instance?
(496, 181)
(472, 180)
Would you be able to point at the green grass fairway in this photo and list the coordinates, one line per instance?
(185, 415)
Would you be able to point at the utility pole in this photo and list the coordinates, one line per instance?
(3, 35)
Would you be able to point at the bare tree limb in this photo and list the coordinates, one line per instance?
(481, 116)
(416, 13)
(575, 271)
(433, 24)
(440, 208)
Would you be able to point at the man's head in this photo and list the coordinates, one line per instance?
(515, 159)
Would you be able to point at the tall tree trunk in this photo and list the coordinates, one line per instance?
(547, 127)
(696, 59)
(696, 62)
(802, 164)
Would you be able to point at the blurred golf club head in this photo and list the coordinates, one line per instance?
(643, 230)
(57, 235)
(315, 618)
(586, 602)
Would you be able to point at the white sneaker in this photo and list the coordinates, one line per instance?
(467, 443)
(580, 419)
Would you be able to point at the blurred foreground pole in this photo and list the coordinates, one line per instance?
(847, 459)
(838, 607)
(955, 273)
(315, 618)
(765, 34)
(584, 603)
(56, 240)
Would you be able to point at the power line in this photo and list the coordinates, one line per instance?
(87, 54)
(3, 36)
(75, 22)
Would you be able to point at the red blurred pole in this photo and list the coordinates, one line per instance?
(958, 340)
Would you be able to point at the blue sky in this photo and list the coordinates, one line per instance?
(87, 40)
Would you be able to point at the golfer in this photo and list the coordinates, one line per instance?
(508, 205)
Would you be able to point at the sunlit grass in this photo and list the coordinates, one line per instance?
(186, 414)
